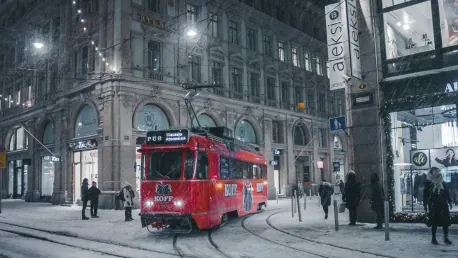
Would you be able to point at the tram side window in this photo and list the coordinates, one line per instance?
(248, 171)
(239, 166)
(256, 172)
(202, 165)
(232, 169)
(224, 168)
(189, 165)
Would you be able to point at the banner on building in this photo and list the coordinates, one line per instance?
(353, 38)
(2, 159)
(335, 31)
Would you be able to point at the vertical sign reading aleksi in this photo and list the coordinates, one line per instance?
(336, 49)
(353, 38)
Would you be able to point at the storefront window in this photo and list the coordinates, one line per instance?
(205, 121)
(18, 140)
(409, 30)
(245, 132)
(87, 122)
(47, 176)
(151, 118)
(49, 135)
(449, 22)
(388, 3)
(422, 139)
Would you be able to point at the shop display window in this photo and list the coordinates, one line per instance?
(151, 118)
(409, 30)
(422, 139)
(448, 10)
(245, 132)
(47, 176)
(87, 122)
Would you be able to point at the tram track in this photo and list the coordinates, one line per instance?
(74, 236)
(270, 224)
(212, 242)
(276, 242)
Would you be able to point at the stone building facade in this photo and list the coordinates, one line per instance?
(79, 105)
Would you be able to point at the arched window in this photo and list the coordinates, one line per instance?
(87, 122)
(18, 140)
(49, 135)
(299, 135)
(337, 143)
(151, 118)
(245, 132)
(204, 120)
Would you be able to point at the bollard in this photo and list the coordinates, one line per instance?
(294, 205)
(310, 194)
(277, 196)
(319, 201)
(387, 221)
(336, 216)
(305, 202)
(299, 209)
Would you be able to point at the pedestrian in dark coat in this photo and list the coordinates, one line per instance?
(325, 190)
(352, 195)
(377, 199)
(437, 201)
(341, 187)
(84, 198)
(93, 194)
(129, 201)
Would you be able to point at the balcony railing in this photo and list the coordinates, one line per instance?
(271, 103)
(156, 76)
(255, 99)
(236, 94)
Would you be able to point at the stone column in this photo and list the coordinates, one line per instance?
(290, 157)
(32, 193)
(60, 150)
(316, 173)
(268, 154)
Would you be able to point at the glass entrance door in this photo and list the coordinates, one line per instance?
(85, 165)
(17, 179)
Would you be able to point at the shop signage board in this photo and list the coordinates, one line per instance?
(82, 145)
(167, 137)
(420, 159)
(353, 38)
(451, 87)
(337, 123)
(336, 36)
(336, 166)
(277, 152)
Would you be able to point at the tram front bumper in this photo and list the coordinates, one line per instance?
(167, 219)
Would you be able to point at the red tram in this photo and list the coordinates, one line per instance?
(199, 178)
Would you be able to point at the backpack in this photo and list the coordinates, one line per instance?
(121, 195)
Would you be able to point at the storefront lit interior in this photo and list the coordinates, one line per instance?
(421, 139)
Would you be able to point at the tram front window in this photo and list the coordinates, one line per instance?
(165, 165)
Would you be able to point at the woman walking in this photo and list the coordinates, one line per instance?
(377, 199)
(437, 201)
(325, 191)
(351, 196)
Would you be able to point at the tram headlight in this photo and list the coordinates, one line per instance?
(149, 204)
(178, 203)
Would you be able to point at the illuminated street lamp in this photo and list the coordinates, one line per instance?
(191, 32)
(38, 45)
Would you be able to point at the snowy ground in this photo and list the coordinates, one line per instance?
(272, 233)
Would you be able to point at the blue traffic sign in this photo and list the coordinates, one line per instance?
(337, 123)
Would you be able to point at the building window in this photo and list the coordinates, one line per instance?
(237, 82)
(298, 95)
(154, 56)
(84, 60)
(448, 11)
(281, 51)
(217, 73)
(318, 66)
(254, 84)
(299, 135)
(214, 24)
(407, 34)
(49, 135)
(18, 140)
(388, 3)
(41, 83)
(271, 90)
(92, 59)
(276, 132)
(322, 103)
(195, 68)
(295, 57)
(252, 39)
(87, 122)
(311, 100)
(191, 13)
(323, 138)
(280, 15)
(151, 118)
(204, 121)
(285, 95)
(75, 63)
(307, 64)
(267, 47)
(233, 33)
(153, 5)
(245, 132)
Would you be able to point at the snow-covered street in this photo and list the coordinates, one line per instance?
(57, 231)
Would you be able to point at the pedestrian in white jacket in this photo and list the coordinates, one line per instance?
(129, 201)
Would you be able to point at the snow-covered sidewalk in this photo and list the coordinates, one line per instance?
(407, 240)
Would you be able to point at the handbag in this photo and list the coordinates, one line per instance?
(342, 207)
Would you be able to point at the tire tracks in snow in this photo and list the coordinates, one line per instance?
(320, 242)
(74, 236)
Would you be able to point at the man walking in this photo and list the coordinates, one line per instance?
(84, 198)
(325, 191)
(93, 194)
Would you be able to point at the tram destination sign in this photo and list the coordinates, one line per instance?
(167, 137)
